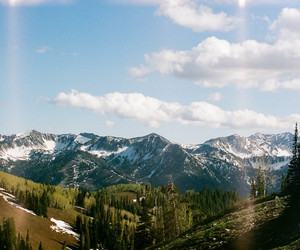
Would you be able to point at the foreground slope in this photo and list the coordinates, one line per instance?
(52, 231)
(260, 225)
(115, 217)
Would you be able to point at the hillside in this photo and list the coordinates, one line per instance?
(260, 224)
(111, 218)
(92, 161)
(52, 231)
(130, 216)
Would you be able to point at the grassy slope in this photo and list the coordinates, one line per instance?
(39, 227)
(266, 225)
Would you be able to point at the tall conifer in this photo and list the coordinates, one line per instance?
(293, 172)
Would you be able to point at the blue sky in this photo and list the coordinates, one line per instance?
(189, 70)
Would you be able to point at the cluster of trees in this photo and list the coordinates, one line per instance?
(34, 202)
(210, 202)
(155, 215)
(9, 239)
(259, 185)
(38, 197)
(291, 182)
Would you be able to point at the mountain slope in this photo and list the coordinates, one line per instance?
(93, 161)
(259, 225)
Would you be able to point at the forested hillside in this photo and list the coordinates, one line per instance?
(126, 216)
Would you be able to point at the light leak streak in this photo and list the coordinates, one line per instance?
(13, 88)
(12, 2)
(242, 94)
(242, 3)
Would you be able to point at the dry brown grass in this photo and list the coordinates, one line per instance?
(39, 227)
(68, 216)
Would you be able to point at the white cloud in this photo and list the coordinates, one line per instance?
(31, 2)
(215, 97)
(109, 123)
(153, 111)
(197, 15)
(261, 18)
(43, 49)
(141, 2)
(206, 2)
(193, 14)
(249, 64)
(287, 24)
(199, 18)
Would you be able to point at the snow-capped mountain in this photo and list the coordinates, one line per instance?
(95, 161)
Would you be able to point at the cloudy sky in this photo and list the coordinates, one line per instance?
(189, 70)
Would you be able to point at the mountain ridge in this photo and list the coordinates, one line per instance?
(95, 161)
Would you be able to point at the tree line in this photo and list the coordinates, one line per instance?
(9, 239)
(154, 216)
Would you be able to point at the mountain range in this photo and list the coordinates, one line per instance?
(91, 161)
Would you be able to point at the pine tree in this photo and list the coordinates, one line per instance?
(292, 171)
(144, 233)
(260, 185)
(297, 175)
(170, 212)
(253, 189)
(28, 247)
(44, 204)
(9, 230)
(64, 247)
(87, 242)
(293, 176)
(284, 183)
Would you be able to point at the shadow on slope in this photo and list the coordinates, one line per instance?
(280, 232)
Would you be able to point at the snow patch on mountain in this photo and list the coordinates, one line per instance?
(105, 153)
(11, 199)
(50, 145)
(23, 134)
(129, 154)
(82, 139)
(63, 227)
(190, 146)
(16, 153)
(257, 145)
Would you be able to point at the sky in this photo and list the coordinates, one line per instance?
(189, 70)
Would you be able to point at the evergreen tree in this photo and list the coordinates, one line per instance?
(144, 232)
(28, 247)
(170, 212)
(9, 230)
(64, 247)
(292, 171)
(87, 240)
(284, 183)
(44, 204)
(260, 185)
(253, 189)
(8, 238)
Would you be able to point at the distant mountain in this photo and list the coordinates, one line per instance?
(92, 161)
